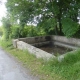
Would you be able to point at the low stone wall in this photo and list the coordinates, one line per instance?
(30, 42)
(72, 43)
(33, 50)
(37, 41)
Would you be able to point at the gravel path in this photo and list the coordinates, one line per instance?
(10, 69)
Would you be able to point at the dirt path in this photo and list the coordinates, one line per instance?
(12, 70)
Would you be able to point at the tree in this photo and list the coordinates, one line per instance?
(21, 10)
(7, 27)
(50, 14)
(1, 31)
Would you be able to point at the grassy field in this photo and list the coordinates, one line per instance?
(68, 69)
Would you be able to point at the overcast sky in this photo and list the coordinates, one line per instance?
(2, 10)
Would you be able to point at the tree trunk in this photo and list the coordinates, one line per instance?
(56, 30)
(59, 20)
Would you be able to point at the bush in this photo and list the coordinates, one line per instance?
(69, 27)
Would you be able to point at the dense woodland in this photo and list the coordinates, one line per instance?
(41, 17)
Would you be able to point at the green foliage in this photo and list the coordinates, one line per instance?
(77, 34)
(69, 27)
(14, 32)
(30, 31)
(17, 31)
(6, 27)
(1, 31)
(48, 25)
(69, 67)
(20, 10)
(47, 13)
(6, 44)
(51, 11)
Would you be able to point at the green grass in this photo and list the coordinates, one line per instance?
(68, 69)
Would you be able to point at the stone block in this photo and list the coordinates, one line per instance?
(14, 41)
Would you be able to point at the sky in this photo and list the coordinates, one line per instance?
(2, 10)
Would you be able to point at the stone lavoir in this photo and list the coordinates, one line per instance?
(47, 46)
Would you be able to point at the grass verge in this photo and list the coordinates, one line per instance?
(68, 69)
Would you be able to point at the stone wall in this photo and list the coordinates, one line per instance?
(55, 40)
(37, 41)
(32, 40)
(72, 43)
(29, 44)
(33, 50)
